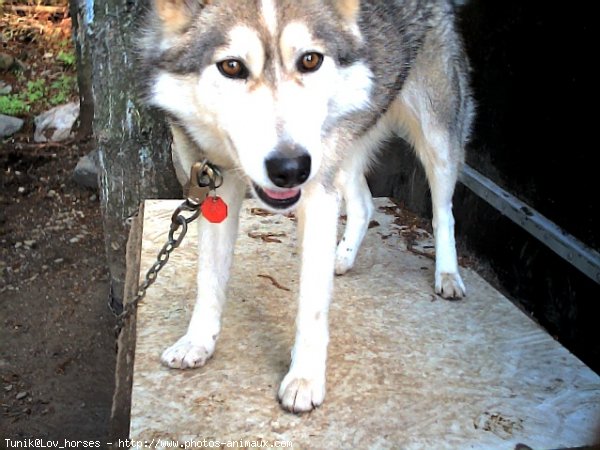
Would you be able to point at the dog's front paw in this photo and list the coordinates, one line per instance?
(299, 395)
(449, 285)
(344, 259)
(188, 353)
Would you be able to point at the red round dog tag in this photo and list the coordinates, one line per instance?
(214, 209)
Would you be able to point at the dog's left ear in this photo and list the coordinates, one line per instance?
(348, 9)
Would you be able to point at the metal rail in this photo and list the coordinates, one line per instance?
(581, 256)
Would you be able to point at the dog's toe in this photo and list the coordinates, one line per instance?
(344, 259)
(300, 395)
(342, 266)
(450, 286)
(186, 354)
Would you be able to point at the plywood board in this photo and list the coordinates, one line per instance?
(406, 369)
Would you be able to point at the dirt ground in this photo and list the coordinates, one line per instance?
(57, 340)
(57, 355)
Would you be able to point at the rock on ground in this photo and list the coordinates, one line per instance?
(55, 124)
(6, 61)
(86, 171)
(5, 88)
(9, 125)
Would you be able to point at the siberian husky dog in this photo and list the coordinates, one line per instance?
(290, 99)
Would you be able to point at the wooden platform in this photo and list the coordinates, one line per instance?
(405, 370)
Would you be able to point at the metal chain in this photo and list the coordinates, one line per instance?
(203, 174)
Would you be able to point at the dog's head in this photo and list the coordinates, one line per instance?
(264, 82)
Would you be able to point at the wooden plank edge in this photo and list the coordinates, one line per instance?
(121, 405)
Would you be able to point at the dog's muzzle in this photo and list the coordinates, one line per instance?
(287, 173)
(278, 199)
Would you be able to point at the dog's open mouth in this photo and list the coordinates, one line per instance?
(278, 199)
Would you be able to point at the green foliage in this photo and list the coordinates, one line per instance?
(36, 90)
(66, 58)
(37, 94)
(13, 105)
(62, 89)
(20, 104)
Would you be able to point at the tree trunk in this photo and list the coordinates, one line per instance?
(84, 70)
(133, 141)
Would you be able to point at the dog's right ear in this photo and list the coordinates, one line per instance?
(176, 15)
(348, 9)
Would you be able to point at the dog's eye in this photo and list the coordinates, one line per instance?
(233, 68)
(310, 62)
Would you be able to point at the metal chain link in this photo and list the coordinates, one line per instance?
(203, 174)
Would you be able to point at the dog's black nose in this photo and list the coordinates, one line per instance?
(288, 172)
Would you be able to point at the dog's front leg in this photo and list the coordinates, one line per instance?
(303, 388)
(215, 252)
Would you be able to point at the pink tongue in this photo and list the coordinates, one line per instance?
(281, 195)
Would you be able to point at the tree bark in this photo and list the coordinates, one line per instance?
(84, 70)
(133, 141)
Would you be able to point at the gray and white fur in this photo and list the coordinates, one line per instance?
(292, 99)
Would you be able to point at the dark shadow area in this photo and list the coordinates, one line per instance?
(533, 136)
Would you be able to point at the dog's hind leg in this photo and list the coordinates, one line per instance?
(352, 184)
(215, 252)
(441, 154)
(303, 388)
